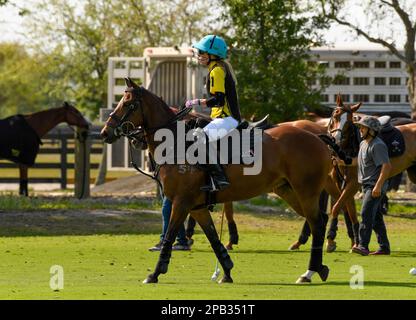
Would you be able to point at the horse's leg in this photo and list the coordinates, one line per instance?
(23, 188)
(306, 230)
(411, 173)
(317, 225)
(309, 208)
(205, 221)
(232, 227)
(177, 218)
(333, 190)
(190, 230)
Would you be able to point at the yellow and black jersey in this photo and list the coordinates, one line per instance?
(222, 90)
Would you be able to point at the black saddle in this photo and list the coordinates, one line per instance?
(392, 137)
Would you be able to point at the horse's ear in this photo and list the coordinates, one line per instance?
(355, 107)
(66, 104)
(339, 100)
(130, 83)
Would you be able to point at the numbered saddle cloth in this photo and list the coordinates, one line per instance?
(18, 141)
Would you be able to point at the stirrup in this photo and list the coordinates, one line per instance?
(210, 187)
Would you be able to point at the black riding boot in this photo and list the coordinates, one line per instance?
(217, 173)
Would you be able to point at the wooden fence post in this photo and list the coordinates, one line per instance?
(64, 163)
(82, 163)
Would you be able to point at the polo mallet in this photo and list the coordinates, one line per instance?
(217, 269)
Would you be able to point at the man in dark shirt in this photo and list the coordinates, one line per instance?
(373, 170)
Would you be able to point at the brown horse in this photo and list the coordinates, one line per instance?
(30, 129)
(283, 169)
(345, 184)
(138, 139)
(406, 161)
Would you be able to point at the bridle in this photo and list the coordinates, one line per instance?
(124, 127)
(337, 132)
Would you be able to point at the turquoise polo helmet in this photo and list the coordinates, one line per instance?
(213, 45)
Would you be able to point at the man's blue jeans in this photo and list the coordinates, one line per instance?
(372, 219)
(166, 211)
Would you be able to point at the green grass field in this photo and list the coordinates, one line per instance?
(105, 256)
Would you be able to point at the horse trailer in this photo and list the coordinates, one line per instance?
(170, 72)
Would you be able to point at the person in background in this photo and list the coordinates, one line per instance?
(181, 240)
(373, 170)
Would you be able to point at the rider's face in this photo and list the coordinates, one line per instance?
(363, 132)
(203, 58)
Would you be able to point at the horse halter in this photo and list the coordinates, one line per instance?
(337, 133)
(122, 126)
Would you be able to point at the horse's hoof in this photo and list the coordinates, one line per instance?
(324, 273)
(331, 246)
(226, 279)
(150, 279)
(294, 246)
(303, 280)
(229, 246)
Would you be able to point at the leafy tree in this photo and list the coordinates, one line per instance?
(383, 18)
(79, 37)
(22, 81)
(271, 40)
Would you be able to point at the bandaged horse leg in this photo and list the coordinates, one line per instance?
(23, 185)
(232, 227)
(177, 219)
(205, 221)
(315, 263)
(190, 230)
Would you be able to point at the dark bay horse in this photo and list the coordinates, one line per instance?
(22, 134)
(284, 170)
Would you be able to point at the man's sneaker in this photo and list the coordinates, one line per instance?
(156, 247)
(181, 247)
(380, 252)
(190, 242)
(360, 250)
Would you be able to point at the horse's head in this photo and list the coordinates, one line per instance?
(341, 125)
(73, 117)
(125, 118)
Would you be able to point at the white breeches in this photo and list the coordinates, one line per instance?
(220, 127)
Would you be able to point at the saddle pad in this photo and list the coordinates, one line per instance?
(394, 141)
(18, 141)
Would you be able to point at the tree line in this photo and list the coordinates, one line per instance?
(68, 45)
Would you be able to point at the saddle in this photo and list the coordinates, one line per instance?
(262, 125)
(392, 137)
(19, 142)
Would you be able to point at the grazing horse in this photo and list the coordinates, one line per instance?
(22, 134)
(283, 170)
